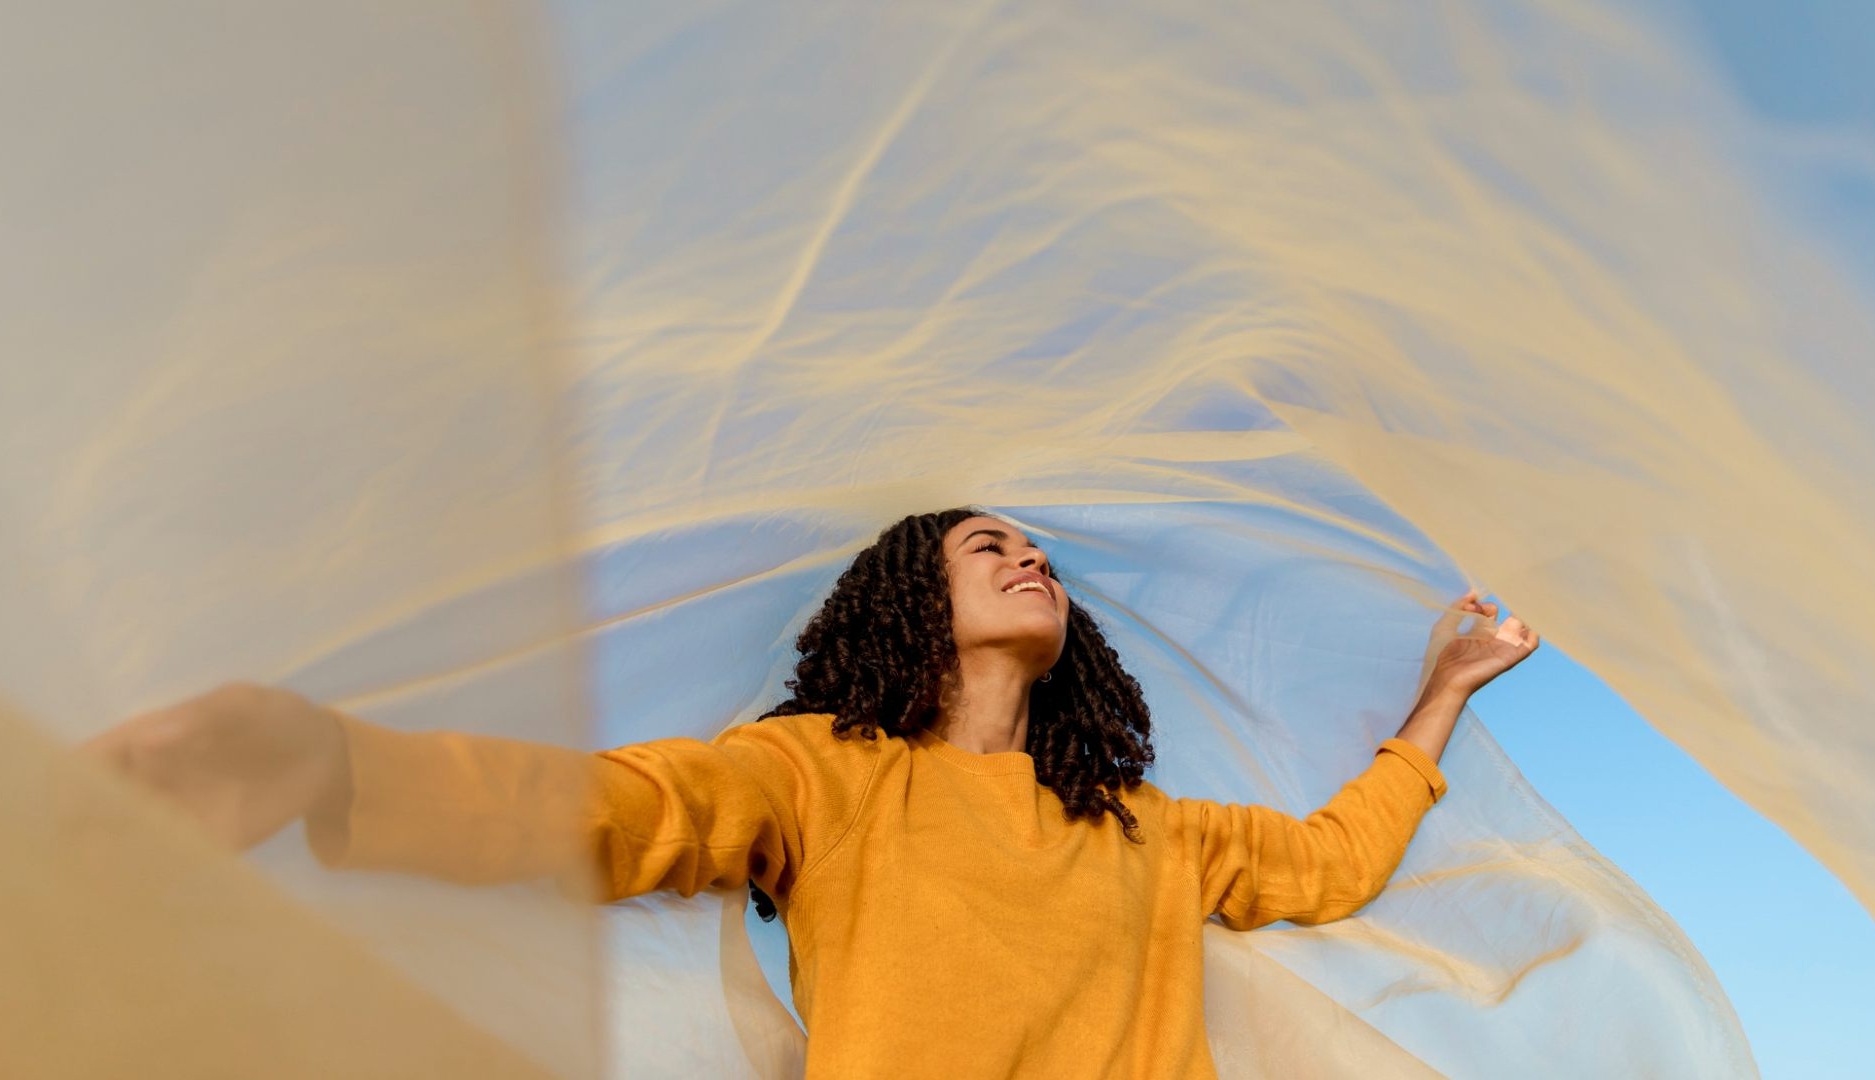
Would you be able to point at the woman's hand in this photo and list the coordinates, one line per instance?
(1463, 663)
(242, 760)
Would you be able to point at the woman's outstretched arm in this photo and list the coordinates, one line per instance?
(675, 814)
(1256, 864)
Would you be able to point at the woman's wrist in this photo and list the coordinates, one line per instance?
(1429, 725)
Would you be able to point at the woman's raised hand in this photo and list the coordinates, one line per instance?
(1463, 663)
(243, 760)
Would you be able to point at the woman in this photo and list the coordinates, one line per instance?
(948, 812)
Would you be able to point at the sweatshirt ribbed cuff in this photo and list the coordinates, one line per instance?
(1419, 760)
(388, 770)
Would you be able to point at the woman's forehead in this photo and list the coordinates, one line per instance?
(982, 523)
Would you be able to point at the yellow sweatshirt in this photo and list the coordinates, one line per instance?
(944, 918)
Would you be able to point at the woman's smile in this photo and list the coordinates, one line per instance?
(1028, 581)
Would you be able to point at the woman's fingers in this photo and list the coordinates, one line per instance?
(1484, 624)
(1469, 605)
(1446, 625)
(1484, 621)
(1517, 632)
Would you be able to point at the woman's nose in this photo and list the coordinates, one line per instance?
(1035, 561)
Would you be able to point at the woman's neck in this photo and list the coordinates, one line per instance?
(985, 710)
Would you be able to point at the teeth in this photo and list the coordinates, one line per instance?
(1027, 586)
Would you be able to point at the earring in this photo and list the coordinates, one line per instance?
(1047, 675)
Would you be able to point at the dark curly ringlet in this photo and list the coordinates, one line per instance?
(877, 652)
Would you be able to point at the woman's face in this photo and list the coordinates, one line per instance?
(1003, 595)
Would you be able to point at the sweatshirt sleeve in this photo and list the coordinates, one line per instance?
(676, 814)
(1256, 865)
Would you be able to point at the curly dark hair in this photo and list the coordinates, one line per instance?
(877, 653)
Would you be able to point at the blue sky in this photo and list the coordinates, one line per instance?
(1791, 946)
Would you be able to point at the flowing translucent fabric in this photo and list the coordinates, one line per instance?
(537, 374)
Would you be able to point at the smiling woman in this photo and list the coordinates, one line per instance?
(921, 632)
(949, 809)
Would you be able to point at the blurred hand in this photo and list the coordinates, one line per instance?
(242, 760)
(1464, 663)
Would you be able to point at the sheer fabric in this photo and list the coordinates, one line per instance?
(538, 375)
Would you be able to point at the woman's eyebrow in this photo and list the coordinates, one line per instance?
(997, 533)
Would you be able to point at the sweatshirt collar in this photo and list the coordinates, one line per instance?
(1002, 763)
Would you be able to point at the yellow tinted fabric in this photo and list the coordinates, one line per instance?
(537, 376)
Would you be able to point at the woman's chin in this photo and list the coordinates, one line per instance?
(1044, 649)
(1034, 636)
